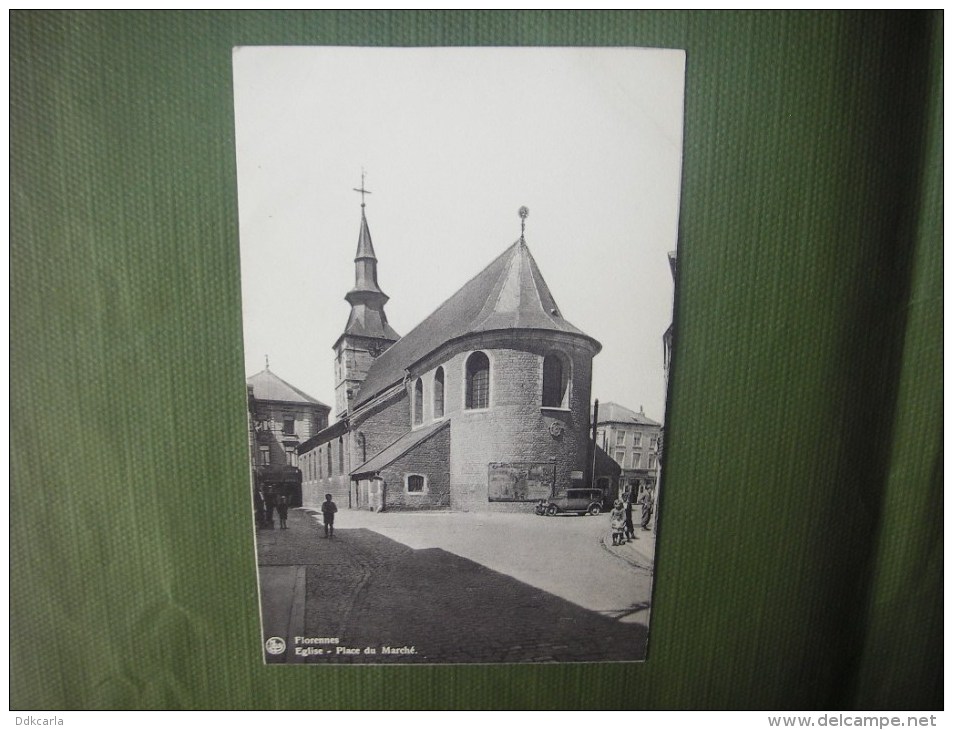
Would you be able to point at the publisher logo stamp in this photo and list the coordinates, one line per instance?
(275, 645)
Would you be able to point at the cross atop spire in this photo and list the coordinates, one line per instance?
(524, 213)
(361, 189)
(266, 362)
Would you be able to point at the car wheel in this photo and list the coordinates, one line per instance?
(551, 510)
(594, 509)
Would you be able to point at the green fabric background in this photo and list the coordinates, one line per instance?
(800, 552)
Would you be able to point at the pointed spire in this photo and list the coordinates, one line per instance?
(365, 264)
(365, 247)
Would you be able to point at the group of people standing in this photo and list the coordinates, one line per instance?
(268, 500)
(272, 499)
(621, 523)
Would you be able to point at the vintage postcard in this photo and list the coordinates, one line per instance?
(457, 277)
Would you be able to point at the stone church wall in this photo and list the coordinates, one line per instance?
(430, 459)
(516, 428)
(380, 427)
(315, 480)
(337, 486)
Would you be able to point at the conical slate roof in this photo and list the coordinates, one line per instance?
(510, 293)
(268, 386)
(365, 247)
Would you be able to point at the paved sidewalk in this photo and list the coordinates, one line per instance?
(284, 558)
(639, 552)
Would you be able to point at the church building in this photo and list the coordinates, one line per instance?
(485, 405)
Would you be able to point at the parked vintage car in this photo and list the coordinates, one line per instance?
(580, 501)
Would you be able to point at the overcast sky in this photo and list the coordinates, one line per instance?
(453, 142)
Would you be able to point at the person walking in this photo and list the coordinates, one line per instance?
(648, 507)
(268, 494)
(259, 508)
(328, 508)
(629, 524)
(282, 506)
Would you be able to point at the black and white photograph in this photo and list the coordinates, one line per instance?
(457, 270)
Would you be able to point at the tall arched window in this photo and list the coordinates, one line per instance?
(438, 393)
(418, 402)
(478, 381)
(555, 381)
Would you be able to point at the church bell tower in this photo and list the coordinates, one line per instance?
(367, 333)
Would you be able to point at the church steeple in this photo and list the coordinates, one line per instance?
(367, 318)
(367, 333)
(365, 269)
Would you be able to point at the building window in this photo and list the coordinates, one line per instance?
(654, 444)
(288, 425)
(620, 438)
(478, 381)
(291, 456)
(438, 393)
(555, 382)
(264, 456)
(637, 438)
(341, 468)
(418, 402)
(636, 460)
(416, 484)
(620, 458)
(330, 469)
(651, 461)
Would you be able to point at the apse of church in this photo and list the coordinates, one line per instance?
(483, 406)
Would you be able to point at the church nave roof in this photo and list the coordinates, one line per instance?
(508, 294)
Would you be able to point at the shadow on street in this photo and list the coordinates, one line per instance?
(370, 592)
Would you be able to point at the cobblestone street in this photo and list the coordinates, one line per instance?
(451, 587)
